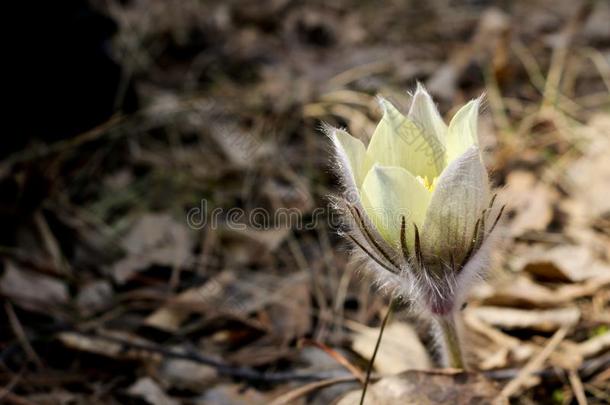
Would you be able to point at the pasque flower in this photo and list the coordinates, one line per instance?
(418, 202)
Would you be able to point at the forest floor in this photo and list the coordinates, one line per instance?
(121, 286)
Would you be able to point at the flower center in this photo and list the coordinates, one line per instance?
(430, 185)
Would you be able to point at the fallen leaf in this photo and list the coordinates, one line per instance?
(197, 299)
(228, 295)
(153, 239)
(520, 291)
(147, 389)
(530, 201)
(400, 348)
(429, 387)
(185, 374)
(566, 263)
(543, 320)
(30, 289)
(589, 177)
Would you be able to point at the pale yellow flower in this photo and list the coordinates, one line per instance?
(419, 196)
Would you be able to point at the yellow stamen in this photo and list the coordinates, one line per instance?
(430, 185)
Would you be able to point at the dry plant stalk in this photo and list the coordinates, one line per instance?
(419, 210)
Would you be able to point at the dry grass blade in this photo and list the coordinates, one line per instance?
(339, 358)
(577, 388)
(371, 364)
(291, 396)
(535, 363)
(21, 335)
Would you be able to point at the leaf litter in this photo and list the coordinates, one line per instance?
(110, 296)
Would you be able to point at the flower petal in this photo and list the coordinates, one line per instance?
(423, 111)
(461, 194)
(352, 155)
(388, 194)
(462, 132)
(398, 141)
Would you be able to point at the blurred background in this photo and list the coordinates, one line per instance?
(126, 279)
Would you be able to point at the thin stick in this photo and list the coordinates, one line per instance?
(21, 335)
(577, 388)
(535, 363)
(369, 368)
(225, 369)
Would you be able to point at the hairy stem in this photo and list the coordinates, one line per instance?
(451, 340)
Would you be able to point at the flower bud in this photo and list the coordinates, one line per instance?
(423, 212)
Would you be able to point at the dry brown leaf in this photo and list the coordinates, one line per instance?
(586, 288)
(510, 318)
(228, 295)
(429, 387)
(186, 374)
(400, 348)
(154, 239)
(566, 263)
(197, 299)
(149, 391)
(588, 178)
(30, 289)
(520, 291)
(531, 201)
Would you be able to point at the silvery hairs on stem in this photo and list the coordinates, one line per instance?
(416, 203)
